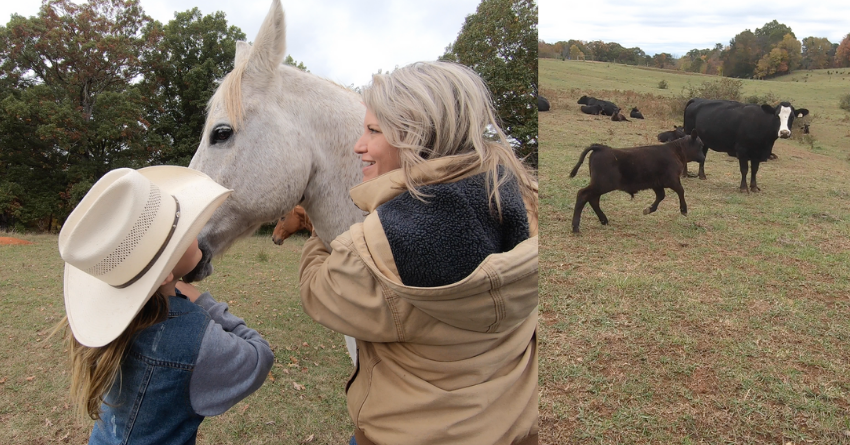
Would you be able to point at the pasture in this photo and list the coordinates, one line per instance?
(302, 400)
(728, 325)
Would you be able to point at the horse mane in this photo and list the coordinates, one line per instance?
(231, 88)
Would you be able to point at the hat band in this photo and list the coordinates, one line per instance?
(158, 252)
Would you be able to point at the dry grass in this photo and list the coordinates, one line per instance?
(725, 326)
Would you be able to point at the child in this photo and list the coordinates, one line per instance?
(150, 355)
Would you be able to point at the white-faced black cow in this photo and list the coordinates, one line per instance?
(672, 135)
(635, 113)
(608, 108)
(744, 131)
(631, 170)
(542, 104)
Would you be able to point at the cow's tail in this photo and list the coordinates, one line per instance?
(581, 158)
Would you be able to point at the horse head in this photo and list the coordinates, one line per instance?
(277, 136)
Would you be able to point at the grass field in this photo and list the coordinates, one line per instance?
(726, 326)
(302, 401)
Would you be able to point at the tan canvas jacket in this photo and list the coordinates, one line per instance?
(454, 364)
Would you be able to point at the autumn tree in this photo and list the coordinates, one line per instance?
(575, 53)
(69, 112)
(498, 42)
(842, 53)
(192, 53)
(784, 58)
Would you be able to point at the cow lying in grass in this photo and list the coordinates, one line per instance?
(294, 221)
(667, 136)
(631, 170)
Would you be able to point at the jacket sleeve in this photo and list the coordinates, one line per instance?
(341, 293)
(232, 363)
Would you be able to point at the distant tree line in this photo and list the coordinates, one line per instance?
(87, 88)
(770, 51)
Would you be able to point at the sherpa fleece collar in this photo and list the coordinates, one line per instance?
(376, 191)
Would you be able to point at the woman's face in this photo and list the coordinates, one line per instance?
(377, 154)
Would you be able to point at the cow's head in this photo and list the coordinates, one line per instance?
(786, 114)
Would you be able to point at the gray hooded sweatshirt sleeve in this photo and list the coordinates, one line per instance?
(232, 363)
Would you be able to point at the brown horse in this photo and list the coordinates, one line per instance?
(294, 221)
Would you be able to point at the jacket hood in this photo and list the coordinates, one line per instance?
(500, 291)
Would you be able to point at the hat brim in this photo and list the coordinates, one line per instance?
(97, 312)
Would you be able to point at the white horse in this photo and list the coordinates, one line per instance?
(278, 137)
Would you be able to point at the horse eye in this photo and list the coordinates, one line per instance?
(221, 134)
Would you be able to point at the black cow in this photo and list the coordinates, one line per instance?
(631, 170)
(608, 108)
(744, 131)
(667, 136)
(542, 104)
(591, 109)
(635, 114)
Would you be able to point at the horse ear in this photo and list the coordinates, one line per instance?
(270, 44)
(242, 51)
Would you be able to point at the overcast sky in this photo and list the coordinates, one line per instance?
(342, 40)
(676, 27)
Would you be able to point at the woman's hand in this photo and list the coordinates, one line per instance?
(190, 291)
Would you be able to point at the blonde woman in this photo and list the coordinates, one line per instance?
(150, 355)
(439, 283)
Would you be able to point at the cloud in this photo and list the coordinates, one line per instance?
(343, 40)
(678, 27)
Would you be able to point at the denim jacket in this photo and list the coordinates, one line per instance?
(149, 402)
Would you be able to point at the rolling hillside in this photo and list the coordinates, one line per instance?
(728, 325)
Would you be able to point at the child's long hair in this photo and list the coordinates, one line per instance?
(95, 370)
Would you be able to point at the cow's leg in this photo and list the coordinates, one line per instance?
(581, 200)
(753, 186)
(659, 195)
(702, 164)
(743, 164)
(594, 202)
(683, 207)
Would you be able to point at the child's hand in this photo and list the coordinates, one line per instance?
(190, 291)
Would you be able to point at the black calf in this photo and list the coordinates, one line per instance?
(631, 170)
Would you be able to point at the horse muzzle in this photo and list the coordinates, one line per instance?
(204, 268)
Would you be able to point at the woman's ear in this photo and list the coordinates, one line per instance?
(168, 279)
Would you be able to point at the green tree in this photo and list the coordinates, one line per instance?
(300, 65)
(816, 53)
(770, 35)
(498, 41)
(741, 58)
(192, 53)
(69, 111)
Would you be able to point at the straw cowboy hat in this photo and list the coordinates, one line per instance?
(124, 238)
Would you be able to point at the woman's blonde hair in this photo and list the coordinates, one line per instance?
(430, 110)
(95, 370)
